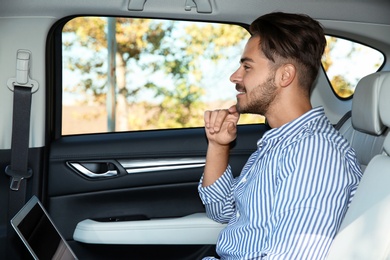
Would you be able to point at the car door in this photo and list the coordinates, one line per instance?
(162, 184)
(129, 194)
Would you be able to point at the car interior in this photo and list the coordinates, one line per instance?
(366, 137)
(102, 118)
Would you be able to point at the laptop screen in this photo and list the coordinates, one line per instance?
(39, 234)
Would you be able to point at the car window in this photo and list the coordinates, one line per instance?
(346, 62)
(162, 74)
(154, 74)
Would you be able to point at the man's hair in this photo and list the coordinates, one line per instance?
(293, 38)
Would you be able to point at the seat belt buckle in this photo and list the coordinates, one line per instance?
(17, 177)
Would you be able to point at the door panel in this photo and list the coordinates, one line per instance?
(157, 178)
(34, 186)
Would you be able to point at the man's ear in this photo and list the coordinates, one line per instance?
(287, 74)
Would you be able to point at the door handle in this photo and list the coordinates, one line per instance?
(95, 169)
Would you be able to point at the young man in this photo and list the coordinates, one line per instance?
(293, 192)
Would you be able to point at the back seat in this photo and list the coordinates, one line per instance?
(364, 129)
(364, 231)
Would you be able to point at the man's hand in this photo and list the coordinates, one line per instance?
(221, 130)
(221, 125)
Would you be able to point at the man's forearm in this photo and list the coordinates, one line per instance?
(217, 159)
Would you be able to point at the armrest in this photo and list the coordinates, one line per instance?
(195, 229)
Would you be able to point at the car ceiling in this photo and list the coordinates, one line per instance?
(373, 11)
(365, 21)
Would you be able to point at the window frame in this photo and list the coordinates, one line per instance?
(57, 127)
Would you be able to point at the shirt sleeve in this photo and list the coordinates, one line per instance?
(218, 197)
(315, 184)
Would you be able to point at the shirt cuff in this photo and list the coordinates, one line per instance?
(217, 191)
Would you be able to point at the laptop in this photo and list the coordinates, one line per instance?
(39, 234)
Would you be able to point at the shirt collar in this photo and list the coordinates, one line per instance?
(295, 126)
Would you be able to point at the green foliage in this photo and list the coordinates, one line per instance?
(340, 85)
(154, 46)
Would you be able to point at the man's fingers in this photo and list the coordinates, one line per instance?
(209, 120)
(214, 120)
(207, 115)
(233, 109)
(219, 117)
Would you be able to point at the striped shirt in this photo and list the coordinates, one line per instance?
(291, 195)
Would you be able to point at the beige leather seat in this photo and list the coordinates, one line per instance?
(365, 231)
(364, 129)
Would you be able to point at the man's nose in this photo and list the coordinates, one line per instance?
(236, 76)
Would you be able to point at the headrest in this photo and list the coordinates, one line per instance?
(365, 103)
(384, 107)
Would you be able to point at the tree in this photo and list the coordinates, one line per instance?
(174, 48)
(132, 36)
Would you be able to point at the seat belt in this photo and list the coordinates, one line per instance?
(18, 171)
(342, 120)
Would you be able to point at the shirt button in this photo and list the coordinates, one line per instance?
(238, 214)
(243, 179)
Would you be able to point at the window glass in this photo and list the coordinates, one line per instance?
(346, 62)
(125, 74)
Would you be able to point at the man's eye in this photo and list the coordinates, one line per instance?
(246, 67)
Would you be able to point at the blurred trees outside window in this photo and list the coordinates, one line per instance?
(346, 62)
(167, 73)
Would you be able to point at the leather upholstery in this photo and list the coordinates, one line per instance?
(365, 109)
(364, 232)
(365, 130)
(384, 109)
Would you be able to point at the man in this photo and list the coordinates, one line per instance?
(293, 192)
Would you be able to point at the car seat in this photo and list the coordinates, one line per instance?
(364, 232)
(364, 129)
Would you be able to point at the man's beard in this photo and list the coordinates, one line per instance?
(259, 99)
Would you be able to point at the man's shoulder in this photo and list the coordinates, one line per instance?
(321, 133)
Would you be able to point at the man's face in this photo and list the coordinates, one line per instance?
(254, 80)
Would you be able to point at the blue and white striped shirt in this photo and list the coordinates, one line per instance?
(291, 195)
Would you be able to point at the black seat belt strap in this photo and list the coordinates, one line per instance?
(23, 88)
(18, 169)
(344, 119)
